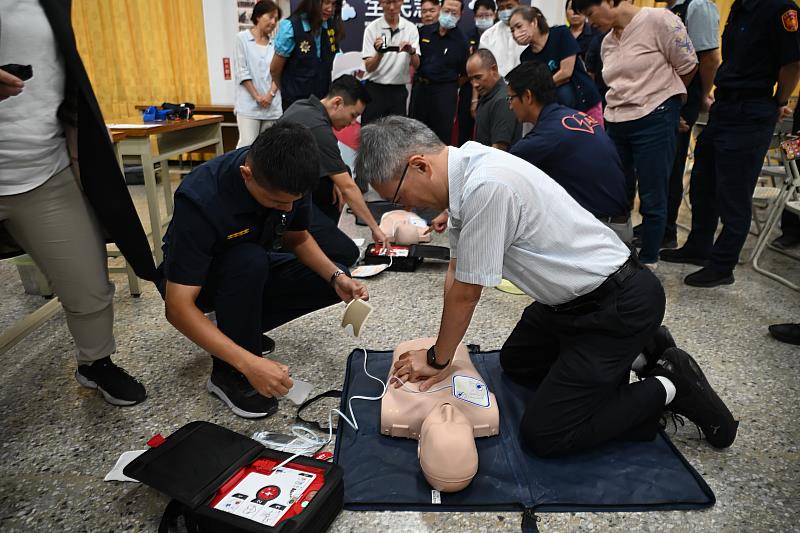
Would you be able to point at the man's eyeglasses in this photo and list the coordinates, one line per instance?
(510, 97)
(397, 191)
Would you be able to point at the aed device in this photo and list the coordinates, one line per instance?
(221, 481)
(404, 258)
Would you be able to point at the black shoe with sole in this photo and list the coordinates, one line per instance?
(117, 386)
(682, 255)
(786, 241)
(653, 350)
(788, 333)
(695, 399)
(233, 388)
(707, 277)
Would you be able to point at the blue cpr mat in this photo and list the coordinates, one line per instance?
(383, 473)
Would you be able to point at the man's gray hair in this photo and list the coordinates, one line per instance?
(387, 144)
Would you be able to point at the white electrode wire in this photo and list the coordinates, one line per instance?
(298, 430)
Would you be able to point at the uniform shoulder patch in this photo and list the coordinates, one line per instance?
(789, 20)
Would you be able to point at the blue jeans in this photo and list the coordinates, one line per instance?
(646, 147)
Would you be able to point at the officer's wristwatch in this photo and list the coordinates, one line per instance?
(335, 275)
(432, 359)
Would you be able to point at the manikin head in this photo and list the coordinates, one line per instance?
(530, 88)
(447, 452)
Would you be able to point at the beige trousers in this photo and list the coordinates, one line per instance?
(55, 225)
(249, 128)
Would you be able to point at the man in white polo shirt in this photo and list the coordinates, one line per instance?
(595, 307)
(390, 47)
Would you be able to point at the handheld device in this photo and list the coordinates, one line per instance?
(23, 72)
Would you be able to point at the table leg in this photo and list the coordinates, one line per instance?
(152, 204)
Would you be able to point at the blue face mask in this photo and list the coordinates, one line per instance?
(484, 24)
(505, 15)
(448, 21)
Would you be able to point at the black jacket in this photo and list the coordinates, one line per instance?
(101, 177)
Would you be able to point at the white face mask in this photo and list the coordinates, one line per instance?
(505, 15)
(448, 21)
(484, 23)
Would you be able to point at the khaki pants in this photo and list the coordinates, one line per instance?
(249, 128)
(55, 225)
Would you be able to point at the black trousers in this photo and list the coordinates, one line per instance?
(324, 226)
(675, 192)
(581, 362)
(727, 161)
(254, 290)
(386, 100)
(434, 104)
(466, 123)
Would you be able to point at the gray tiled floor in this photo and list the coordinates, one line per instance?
(58, 439)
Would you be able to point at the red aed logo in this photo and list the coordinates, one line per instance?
(579, 122)
(789, 20)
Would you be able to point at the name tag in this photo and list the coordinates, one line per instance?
(238, 234)
(425, 40)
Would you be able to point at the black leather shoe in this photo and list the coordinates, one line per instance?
(788, 333)
(682, 255)
(706, 277)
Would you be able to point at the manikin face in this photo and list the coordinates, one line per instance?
(522, 30)
(601, 16)
(482, 79)
(429, 12)
(328, 9)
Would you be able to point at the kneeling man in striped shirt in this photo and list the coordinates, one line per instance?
(597, 312)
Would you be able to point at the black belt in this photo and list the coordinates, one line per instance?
(741, 94)
(612, 283)
(619, 219)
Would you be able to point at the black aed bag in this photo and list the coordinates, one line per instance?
(221, 481)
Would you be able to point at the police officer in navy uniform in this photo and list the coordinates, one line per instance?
(238, 244)
(443, 58)
(306, 44)
(760, 48)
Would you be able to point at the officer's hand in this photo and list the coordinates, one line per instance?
(10, 85)
(413, 366)
(378, 44)
(380, 237)
(268, 377)
(348, 289)
(784, 112)
(439, 224)
(407, 47)
(683, 126)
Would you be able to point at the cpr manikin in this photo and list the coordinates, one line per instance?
(445, 420)
(404, 228)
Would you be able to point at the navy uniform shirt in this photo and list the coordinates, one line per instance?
(495, 123)
(214, 212)
(442, 59)
(571, 147)
(759, 38)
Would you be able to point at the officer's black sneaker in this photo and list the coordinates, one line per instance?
(117, 386)
(669, 242)
(233, 388)
(654, 349)
(682, 255)
(707, 277)
(267, 344)
(788, 333)
(695, 399)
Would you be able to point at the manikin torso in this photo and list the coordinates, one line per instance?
(444, 424)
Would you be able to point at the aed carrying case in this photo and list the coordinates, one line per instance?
(404, 258)
(206, 468)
